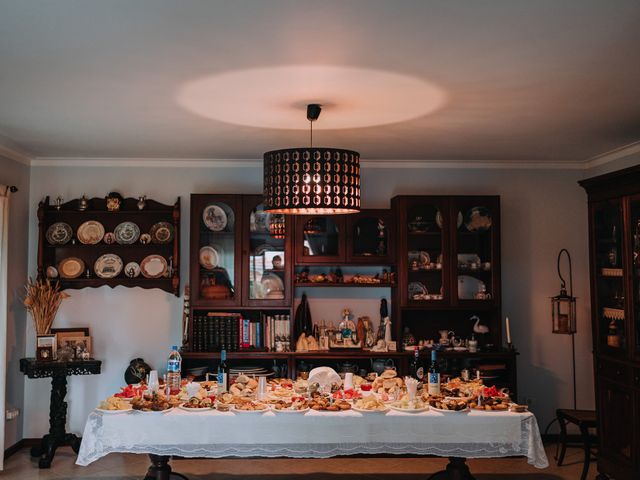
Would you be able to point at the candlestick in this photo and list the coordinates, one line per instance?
(508, 331)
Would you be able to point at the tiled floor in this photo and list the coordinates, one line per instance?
(128, 467)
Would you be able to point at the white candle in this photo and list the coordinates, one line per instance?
(508, 332)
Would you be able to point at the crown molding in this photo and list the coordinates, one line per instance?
(613, 155)
(133, 162)
(11, 151)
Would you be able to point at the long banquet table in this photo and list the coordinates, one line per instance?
(315, 434)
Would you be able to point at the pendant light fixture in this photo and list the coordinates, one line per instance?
(313, 180)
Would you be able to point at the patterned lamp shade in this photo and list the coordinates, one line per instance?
(312, 181)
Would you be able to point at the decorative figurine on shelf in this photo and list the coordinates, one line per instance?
(142, 202)
(408, 340)
(185, 319)
(477, 328)
(83, 203)
(58, 203)
(312, 344)
(361, 329)
(114, 200)
(369, 338)
(323, 337)
(387, 331)
(301, 344)
(384, 312)
(347, 328)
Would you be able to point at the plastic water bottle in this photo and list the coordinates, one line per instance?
(174, 365)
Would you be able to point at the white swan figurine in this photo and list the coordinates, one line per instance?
(477, 328)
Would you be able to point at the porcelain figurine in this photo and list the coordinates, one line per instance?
(83, 203)
(142, 202)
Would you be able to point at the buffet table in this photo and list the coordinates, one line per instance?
(213, 434)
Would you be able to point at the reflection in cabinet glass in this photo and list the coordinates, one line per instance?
(217, 252)
(474, 250)
(610, 288)
(425, 222)
(266, 256)
(370, 237)
(635, 242)
(321, 237)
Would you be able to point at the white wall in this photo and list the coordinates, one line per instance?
(542, 212)
(14, 173)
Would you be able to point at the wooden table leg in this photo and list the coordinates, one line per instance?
(57, 436)
(160, 469)
(456, 469)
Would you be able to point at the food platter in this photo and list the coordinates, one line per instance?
(59, 233)
(153, 266)
(127, 233)
(409, 410)
(464, 410)
(108, 265)
(374, 410)
(90, 232)
(71, 267)
(113, 412)
(161, 233)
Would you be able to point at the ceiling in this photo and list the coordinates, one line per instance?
(518, 80)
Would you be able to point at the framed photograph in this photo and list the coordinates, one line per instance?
(46, 347)
(81, 346)
(62, 333)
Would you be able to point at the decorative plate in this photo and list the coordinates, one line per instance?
(108, 265)
(71, 267)
(153, 266)
(161, 232)
(90, 232)
(423, 258)
(196, 410)
(417, 288)
(440, 221)
(127, 233)
(478, 219)
(145, 239)
(468, 286)
(209, 257)
(272, 286)
(132, 269)
(109, 238)
(215, 218)
(59, 233)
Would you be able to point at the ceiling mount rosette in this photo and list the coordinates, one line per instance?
(312, 181)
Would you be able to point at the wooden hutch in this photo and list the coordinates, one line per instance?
(614, 245)
(429, 229)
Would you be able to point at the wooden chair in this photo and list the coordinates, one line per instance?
(584, 419)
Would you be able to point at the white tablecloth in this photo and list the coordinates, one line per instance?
(215, 434)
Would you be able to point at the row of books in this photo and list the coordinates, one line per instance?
(213, 332)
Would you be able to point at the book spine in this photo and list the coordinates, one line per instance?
(259, 335)
(235, 333)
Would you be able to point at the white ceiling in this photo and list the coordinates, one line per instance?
(524, 80)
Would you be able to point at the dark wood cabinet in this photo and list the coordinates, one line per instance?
(371, 237)
(320, 239)
(614, 246)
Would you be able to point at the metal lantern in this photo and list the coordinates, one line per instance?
(563, 305)
(313, 180)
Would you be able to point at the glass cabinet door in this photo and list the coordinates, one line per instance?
(215, 237)
(426, 226)
(634, 226)
(371, 237)
(266, 255)
(610, 291)
(475, 251)
(320, 239)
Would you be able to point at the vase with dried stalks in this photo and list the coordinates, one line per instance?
(42, 300)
